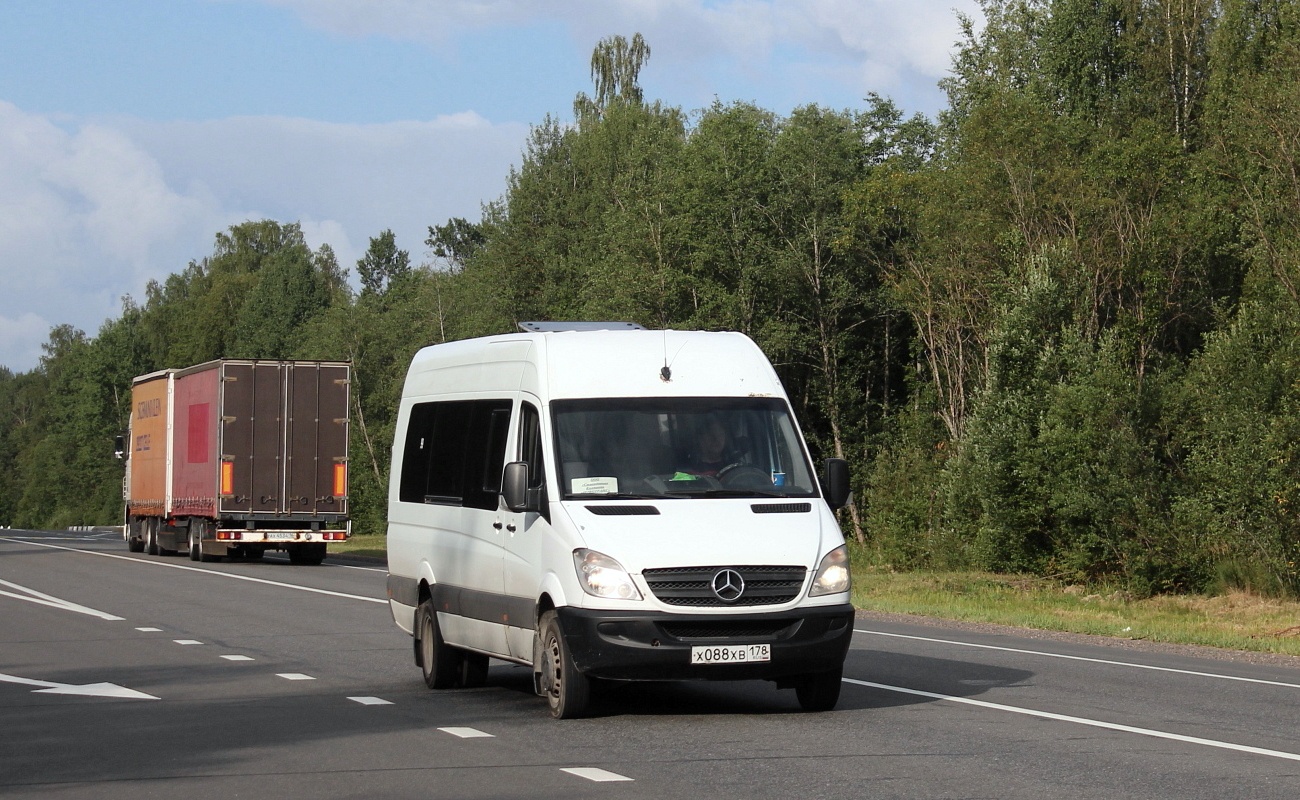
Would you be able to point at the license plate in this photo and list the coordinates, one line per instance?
(731, 654)
(279, 537)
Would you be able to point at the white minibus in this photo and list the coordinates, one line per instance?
(607, 503)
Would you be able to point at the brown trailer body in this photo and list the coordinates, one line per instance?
(243, 456)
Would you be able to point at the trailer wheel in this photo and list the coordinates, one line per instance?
(567, 690)
(820, 691)
(199, 532)
(439, 662)
(151, 536)
(134, 537)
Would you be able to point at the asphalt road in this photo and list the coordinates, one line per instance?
(129, 676)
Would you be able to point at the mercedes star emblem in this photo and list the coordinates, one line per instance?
(728, 585)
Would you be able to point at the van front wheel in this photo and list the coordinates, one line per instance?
(567, 691)
(820, 691)
(439, 662)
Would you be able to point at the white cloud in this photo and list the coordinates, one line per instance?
(92, 210)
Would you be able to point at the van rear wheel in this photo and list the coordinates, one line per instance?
(440, 663)
(567, 691)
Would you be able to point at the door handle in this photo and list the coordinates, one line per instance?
(511, 527)
(497, 524)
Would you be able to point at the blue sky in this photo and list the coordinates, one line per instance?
(132, 131)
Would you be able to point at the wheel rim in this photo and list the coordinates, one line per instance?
(426, 645)
(553, 672)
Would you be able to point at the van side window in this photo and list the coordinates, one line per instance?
(530, 451)
(455, 452)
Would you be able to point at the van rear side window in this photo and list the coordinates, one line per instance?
(455, 452)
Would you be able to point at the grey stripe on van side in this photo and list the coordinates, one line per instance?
(520, 612)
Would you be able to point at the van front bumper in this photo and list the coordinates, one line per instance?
(657, 646)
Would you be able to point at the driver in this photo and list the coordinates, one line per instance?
(710, 454)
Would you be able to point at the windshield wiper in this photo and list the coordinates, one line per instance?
(612, 496)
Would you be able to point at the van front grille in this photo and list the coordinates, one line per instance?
(693, 586)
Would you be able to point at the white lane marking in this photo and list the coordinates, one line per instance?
(40, 598)
(187, 641)
(1177, 737)
(371, 701)
(294, 676)
(199, 569)
(1083, 658)
(467, 733)
(150, 630)
(363, 569)
(87, 690)
(237, 658)
(594, 774)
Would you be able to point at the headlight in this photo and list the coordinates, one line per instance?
(832, 574)
(602, 576)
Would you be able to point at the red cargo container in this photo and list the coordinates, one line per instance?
(233, 458)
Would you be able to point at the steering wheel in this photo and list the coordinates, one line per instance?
(743, 476)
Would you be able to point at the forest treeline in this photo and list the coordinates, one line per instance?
(1054, 330)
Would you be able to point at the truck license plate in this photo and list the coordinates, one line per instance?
(279, 537)
(731, 654)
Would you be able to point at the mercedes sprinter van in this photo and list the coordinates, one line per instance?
(606, 503)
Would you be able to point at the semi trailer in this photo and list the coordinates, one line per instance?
(231, 458)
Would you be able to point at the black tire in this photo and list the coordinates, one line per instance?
(199, 532)
(567, 691)
(307, 554)
(151, 537)
(135, 537)
(440, 663)
(473, 670)
(821, 690)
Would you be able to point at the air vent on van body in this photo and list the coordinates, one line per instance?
(623, 511)
(781, 508)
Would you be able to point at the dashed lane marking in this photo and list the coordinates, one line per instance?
(294, 676)
(150, 630)
(187, 641)
(467, 733)
(594, 774)
(371, 701)
(237, 658)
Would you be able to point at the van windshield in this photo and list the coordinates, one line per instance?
(679, 447)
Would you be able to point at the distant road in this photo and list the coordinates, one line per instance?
(128, 676)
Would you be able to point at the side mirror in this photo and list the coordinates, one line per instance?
(119, 446)
(835, 483)
(514, 488)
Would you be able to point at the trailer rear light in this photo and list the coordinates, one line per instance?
(340, 480)
(227, 477)
(229, 536)
(335, 536)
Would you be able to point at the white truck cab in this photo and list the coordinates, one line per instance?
(604, 502)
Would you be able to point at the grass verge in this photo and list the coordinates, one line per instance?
(1237, 621)
(370, 545)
